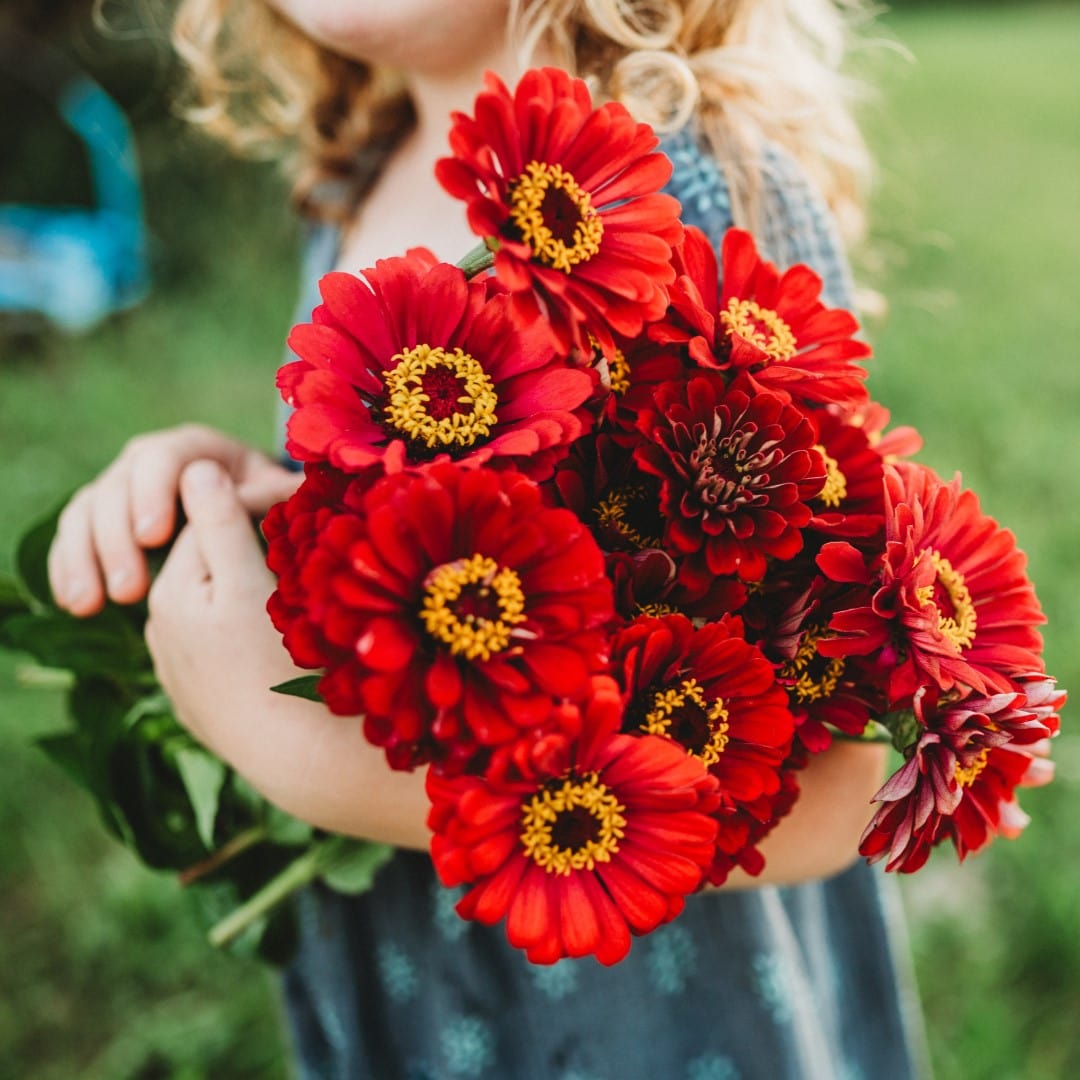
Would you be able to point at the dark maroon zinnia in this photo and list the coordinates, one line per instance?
(737, 472)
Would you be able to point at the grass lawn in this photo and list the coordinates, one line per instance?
(103, 972)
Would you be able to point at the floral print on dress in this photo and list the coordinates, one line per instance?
(555, 980)
(712, 1067)
(447, 921)
(468, 1046)
(773, 986)
(397, 972)
(671, 958)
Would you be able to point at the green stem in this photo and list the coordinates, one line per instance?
(33, 676)
(300, 872)
(226, 853)
(480, 258)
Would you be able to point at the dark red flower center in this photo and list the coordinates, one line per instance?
(440, 400)
(684, 714)
(727, 470)
(948, 593)
(572, 824)
(551, 213)
(814, 677)
(760, 327)
(445, 391)
(472, 606)
(629, 516)
(575, 828)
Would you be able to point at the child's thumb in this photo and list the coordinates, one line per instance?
(219, 522)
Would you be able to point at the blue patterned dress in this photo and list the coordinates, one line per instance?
(800, 983)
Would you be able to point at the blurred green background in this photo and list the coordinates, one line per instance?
(103, 971)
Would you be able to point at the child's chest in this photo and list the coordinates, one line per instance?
(405, 209)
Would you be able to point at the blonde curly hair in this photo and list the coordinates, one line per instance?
(748, 72)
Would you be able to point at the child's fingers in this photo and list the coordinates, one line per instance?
(266, 487)
(122, 563)
(221, 525)
(155, 482)
(74, 574)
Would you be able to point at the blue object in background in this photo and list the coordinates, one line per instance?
(75, 266)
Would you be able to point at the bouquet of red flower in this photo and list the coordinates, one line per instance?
(611, 539)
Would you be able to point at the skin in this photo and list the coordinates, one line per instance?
(214, 648)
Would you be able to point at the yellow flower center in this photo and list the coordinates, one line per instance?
(656, 610)
(572, 824)
(554, 216)
(682, 713)
(762, 327)
(965, 777)
(439, 398)
(816, 677)
(835, 490)
(472, 605)
(618, 369)
(615, 509)
(949, 594)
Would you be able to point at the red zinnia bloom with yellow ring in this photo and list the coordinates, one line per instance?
(459, 607)
(411, 364)
(580, 861)
(771, 325)
(715, 696)
(568, 197)
(949, 602)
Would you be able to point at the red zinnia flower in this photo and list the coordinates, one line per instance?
(852, 502)
(960, 779)
(599, 482)
(461, 606)
(717, 697)
(737, 471)
(580, 861)
(568, 198)
(951, 604)
(292, 529)
(771, 325)
(647, 583)
(843, 692)
(412, 364)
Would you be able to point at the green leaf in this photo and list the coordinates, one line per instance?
(304, 686)
(104, 644)
(284, 829)
(72, 752)
(12, 600)
(68, 750)
(203, 776)
(145, 785)
(354, 864)
(99, 707)
(32, 557)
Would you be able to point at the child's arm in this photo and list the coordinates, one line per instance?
(216, 654)
(131, 506)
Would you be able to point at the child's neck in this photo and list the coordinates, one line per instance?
(406, 207)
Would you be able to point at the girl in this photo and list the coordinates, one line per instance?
(752, 981)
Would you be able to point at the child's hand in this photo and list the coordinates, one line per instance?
(215, 650)
(131, 506)
(217, 654)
